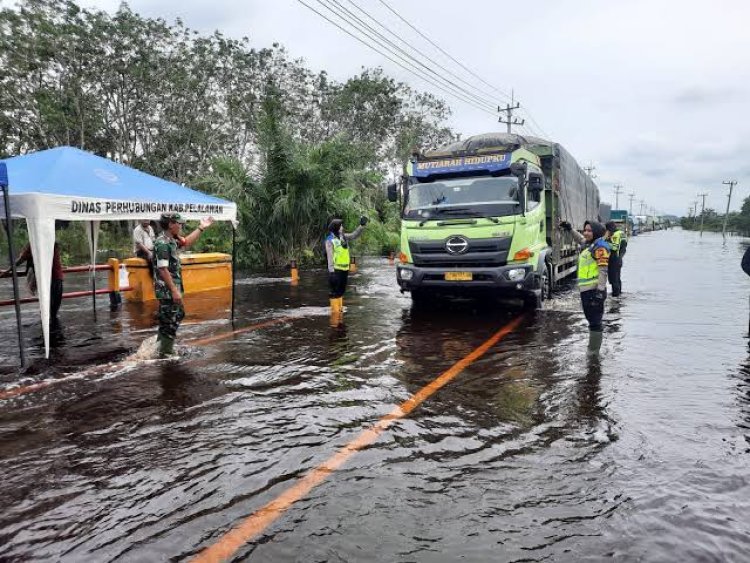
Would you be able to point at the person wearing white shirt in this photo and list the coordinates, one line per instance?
(143, 241)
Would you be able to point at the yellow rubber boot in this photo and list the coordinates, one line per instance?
(335, 312)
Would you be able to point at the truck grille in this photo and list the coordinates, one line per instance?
(481, 253)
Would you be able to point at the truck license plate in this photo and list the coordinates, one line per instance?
(458, 276)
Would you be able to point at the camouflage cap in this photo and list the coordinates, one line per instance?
(172, 218)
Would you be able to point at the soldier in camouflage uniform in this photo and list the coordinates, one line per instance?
(168, 276)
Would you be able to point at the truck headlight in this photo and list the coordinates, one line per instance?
(516, 274)
(405, 274)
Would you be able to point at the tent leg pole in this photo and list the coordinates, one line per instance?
(234, 266)
(93, 272)
(12, 255)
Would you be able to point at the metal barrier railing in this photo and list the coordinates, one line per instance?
(113, 286)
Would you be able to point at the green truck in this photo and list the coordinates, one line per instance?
(480, 216)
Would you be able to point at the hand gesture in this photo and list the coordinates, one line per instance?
(363, 220)
(206, 223)
(564, 225)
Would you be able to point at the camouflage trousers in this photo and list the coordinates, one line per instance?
(170, 317)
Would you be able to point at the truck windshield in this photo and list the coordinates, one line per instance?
(463, 197)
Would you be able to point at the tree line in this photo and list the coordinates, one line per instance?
(290, 146)
(737, 222)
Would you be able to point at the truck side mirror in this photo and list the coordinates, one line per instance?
(518, 169)
(536, 185)
(392, 192)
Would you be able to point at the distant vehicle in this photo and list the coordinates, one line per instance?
(605, 211)
(481, 215)
(623, 220)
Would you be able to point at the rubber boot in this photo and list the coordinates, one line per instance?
(335, 305)
(335, 312)
(595, 342)
(341, 305)
(165, 346)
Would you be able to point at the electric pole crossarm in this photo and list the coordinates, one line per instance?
(509, 109)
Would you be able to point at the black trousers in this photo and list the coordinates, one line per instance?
(613, 273)
(593, 308)
(337, 283)
(55, 300)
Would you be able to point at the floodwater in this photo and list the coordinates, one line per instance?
(533, 452)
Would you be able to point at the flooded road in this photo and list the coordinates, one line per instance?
(531, 452)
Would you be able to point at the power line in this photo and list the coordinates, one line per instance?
(459, 63)
(419, 74)
(439, 48)
(419, 52)
(411, 68)
(355, 21)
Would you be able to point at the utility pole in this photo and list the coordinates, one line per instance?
(703, 209)
(508, 109)
(590, 170)
(643, 204)
(618, 191)
(631, 197)
(731, 184)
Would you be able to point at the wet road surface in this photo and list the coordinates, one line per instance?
(531, 452)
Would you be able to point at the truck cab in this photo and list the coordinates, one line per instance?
(473, 223)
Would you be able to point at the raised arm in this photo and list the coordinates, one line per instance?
(354, 235)
(578, 237)
(190, 239)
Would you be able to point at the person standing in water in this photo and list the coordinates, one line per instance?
(593, 264)
(619, 243)
(168, 276)
(337, 254)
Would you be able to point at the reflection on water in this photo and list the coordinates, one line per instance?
(536, 451)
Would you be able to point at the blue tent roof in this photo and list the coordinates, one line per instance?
(68, 171)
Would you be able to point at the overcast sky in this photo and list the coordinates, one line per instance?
(655, 93)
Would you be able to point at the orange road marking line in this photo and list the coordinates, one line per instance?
(228, 544)
(27, 389)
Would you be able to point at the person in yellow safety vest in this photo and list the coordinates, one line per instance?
(619, 243)
(593, 265)
(337, 253)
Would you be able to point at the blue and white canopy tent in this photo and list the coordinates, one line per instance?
(69, 184)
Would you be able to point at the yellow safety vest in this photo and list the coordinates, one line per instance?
(340, 255)
(617, 237)
(588, 269)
